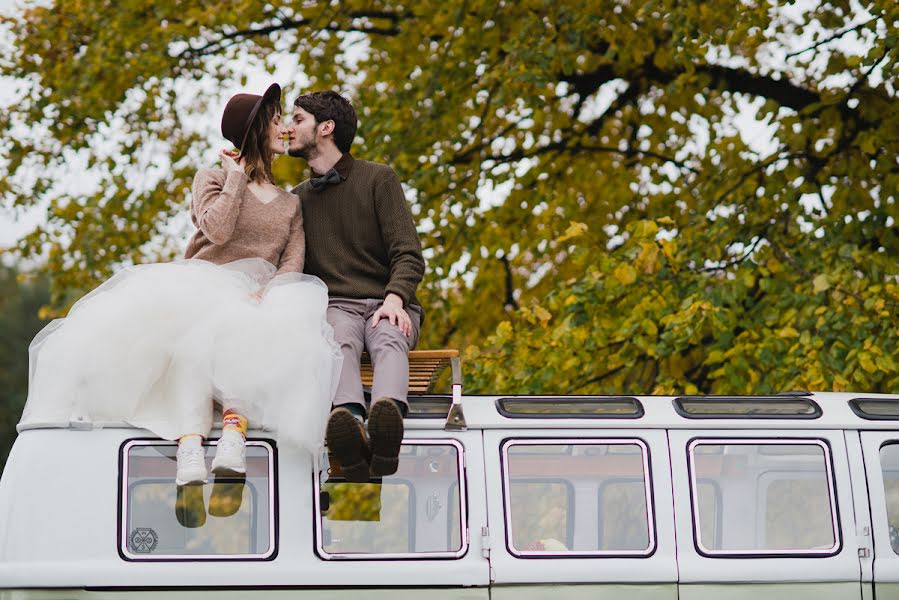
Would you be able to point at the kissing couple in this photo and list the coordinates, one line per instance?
(268, 313)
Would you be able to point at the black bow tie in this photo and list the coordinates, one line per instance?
(329, 178)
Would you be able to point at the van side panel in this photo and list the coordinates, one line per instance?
(771, 591)
(284, 594)
(584, 592)
(884, 591)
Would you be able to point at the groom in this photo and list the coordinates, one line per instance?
(361, 241)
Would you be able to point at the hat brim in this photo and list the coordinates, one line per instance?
(273, 93)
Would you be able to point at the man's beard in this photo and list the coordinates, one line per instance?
(309, 150)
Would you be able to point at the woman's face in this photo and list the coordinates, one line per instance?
(276, 132)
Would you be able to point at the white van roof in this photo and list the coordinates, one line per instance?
(794, 410)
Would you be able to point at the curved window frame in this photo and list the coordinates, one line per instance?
(785, 553)
(856, 407)
(463, 515)
(541, 554)
(123, 514)
(503, 410)
(678, 404)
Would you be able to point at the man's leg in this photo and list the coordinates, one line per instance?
(345, 434)
(347, 318)
(389, 350)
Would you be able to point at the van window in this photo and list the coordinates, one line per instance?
(710, 497)
(542, 512)
(584, 407)
(417, 512)
(771, 497)
(225, 518)
(577, 497)
(752, 407)
(876, 409)
(889, 462)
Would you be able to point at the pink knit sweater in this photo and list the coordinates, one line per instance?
(232, 223)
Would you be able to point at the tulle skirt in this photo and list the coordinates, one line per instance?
(154, 344)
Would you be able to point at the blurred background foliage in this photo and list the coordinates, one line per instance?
(614, 197)
(21, 297)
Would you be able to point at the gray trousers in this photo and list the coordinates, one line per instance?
(385, 344)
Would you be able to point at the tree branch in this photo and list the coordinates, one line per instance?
(563, 147)
(510, 302)
(865, 75)
(835, 36)
(748, 251)
(286, 24)
(598, 378)
(781, 91)
(586, 84)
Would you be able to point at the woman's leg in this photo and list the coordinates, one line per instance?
(231, 451)
(191, 458)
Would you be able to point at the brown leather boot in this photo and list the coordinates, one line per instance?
(385, 426)
(347, 443)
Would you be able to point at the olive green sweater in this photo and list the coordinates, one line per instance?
(360, 238)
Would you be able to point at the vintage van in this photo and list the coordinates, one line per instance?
(648, 498)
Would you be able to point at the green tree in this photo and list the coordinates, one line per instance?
(593, 219)
(21, 297)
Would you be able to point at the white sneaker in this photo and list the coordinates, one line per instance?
(191, 461)
(230, 454)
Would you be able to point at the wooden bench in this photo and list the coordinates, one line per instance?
(425, 367)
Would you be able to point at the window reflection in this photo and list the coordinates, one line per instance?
(889, 462)
(226, 517)
(418, 510)
(763, 497)
(583, 498)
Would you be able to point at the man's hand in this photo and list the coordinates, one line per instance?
(392, 309)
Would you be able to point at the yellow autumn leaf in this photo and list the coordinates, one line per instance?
(866, 363)
(542, 314)
(820, 283)
(648, 261)
(669, 248)
(574, 230)
(46, 313)
(625, 274)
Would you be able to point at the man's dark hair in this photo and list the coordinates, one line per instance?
(332, 106)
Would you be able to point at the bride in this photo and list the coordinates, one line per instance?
(235, 320)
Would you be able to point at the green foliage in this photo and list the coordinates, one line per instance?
(20, 300)
(637, 243)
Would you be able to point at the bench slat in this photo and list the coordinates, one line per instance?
(424, 368)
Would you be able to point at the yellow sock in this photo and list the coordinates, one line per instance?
(232, 420)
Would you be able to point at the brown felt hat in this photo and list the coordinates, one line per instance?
(240, 112)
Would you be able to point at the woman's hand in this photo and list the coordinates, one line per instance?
(231, 161)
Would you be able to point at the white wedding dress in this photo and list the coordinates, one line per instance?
(154, 344)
